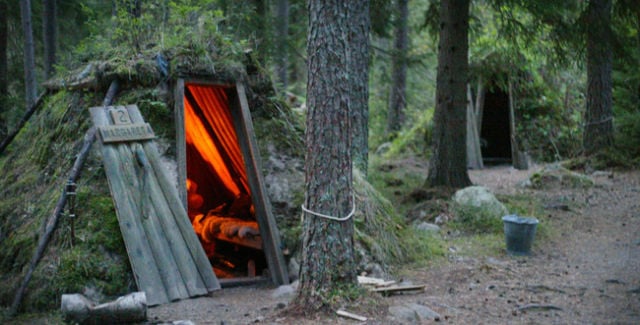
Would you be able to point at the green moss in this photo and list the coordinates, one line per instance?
(81, 267)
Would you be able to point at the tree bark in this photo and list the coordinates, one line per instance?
(327, 251)
(4, 62)
(50, 34)
(448, 165)
(359, 26)
(397, 98)
(598, 129)
(282, 24)
(29, 56)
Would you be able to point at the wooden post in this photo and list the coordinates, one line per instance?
(474, 155)
(518, 158)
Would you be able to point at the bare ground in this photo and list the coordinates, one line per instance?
(586, 272)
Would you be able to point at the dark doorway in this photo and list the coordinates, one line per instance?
(495, 141)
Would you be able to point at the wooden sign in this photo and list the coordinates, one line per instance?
(123, 129)
(126, 132)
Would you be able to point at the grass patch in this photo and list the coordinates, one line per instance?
(478, 245)
(475, 220)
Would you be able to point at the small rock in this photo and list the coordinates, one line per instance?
(481, 198)
(441, 219)
(428, 227)
(494, 261)
(413, 313)
(374, 270)
(285, 291)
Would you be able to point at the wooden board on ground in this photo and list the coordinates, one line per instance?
(399, 288)
(166, 257)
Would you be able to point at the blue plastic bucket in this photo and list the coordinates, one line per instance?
(519, 233)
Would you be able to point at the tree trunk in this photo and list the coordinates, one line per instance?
(598, 129)
(4, 62)
(29, 56)
(327, 251)
(448, 165)
(397, 98)
(282, 55)
(50, 34)
(359, 27)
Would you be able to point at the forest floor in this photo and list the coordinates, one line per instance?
(586, 270)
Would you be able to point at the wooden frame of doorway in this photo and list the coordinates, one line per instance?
(243, 124)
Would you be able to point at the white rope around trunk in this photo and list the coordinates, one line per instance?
(317, 214)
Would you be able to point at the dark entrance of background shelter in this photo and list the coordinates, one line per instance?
(223, 191)
(495, 131)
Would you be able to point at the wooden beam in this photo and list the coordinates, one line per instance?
(180, 222)
(249, 146)
(139, 249)
(181, 143)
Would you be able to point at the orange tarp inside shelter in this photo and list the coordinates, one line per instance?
(214, 159)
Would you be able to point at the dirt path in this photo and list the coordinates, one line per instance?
(588, 274)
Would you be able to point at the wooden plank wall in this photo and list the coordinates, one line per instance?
(165, 255)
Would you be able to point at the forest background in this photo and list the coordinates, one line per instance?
(542, 40)
(540, 44)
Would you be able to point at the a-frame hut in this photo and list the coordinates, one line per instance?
(161, 212)
(492, 136)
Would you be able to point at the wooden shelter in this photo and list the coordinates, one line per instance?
(214, 228)
(491, 127)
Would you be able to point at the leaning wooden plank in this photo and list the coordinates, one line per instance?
(143, 265)
(268, 229)
(347, 314)
(52, 221)
(136, 177)
(178, 248)
(179, 212)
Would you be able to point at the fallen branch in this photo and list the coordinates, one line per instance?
(52, 221)
(538, 307)
(347, 314)
(399, 288)
(5, 143)
(541, 288)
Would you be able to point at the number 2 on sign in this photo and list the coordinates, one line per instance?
(120, 115)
